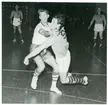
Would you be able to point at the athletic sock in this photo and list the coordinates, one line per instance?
(100, 42)
(54, 82)
(14, 40)
(76, 80)
(34, 80)
(22, 41)
(94, 41)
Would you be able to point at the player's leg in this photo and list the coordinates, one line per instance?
(20, 32)
(101, 37)
(64, 78)
(14, 32)
(50, 60)
(40, 67)
(72, 79)
(64, 64)
(95, 37)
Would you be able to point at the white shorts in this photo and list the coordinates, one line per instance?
(16, 21)
(64, 62)
(98, 27)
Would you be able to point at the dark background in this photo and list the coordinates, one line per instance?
(78, 15)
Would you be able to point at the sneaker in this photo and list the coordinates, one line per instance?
(14, 40)
(22, 41)
(100, 45)
(56, 90)
(34, 82)
(94, 45)
(85, 78)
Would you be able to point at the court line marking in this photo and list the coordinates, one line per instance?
(61, 95)
(94, 56)
(86, 74)
(51, 72)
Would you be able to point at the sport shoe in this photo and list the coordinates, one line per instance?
(14, 40)
(94, 45)
(22, 41)
(56, 90)
(34, 82)
(100, 45)
(85, 78)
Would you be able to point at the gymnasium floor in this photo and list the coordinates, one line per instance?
(16, 77)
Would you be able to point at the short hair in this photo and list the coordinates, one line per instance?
(97, 10)
(60, 19)
(43, 10)
(16, 6)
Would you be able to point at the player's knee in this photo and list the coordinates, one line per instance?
(20, 31)
(62, 81)
(55, 67)
(40, 66)
(14, 31)
(95, 36)
(63, 78)
(101, 37)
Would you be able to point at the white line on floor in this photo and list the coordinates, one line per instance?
(86, 74)
(18, 70)
(10, 70)
(95, 56)
(49, 92)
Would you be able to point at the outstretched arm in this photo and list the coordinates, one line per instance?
(45, 45)
(37, 50)
(44, 32)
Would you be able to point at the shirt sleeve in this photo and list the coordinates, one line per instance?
(37, 50)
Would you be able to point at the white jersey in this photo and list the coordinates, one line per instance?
(98, 19)
(17, 14)
(58, 43)
(17, 17)
(37, 37)
(60, 46)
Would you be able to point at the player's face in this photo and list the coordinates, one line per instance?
(54, 24)
(16, 7)
(43, 16)
(99, 10)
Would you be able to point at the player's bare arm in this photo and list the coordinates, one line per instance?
(43, 32)
(11, 16)
(45, 45)
(104, 20)
(93, 19)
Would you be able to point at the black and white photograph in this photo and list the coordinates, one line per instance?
(54, 52)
